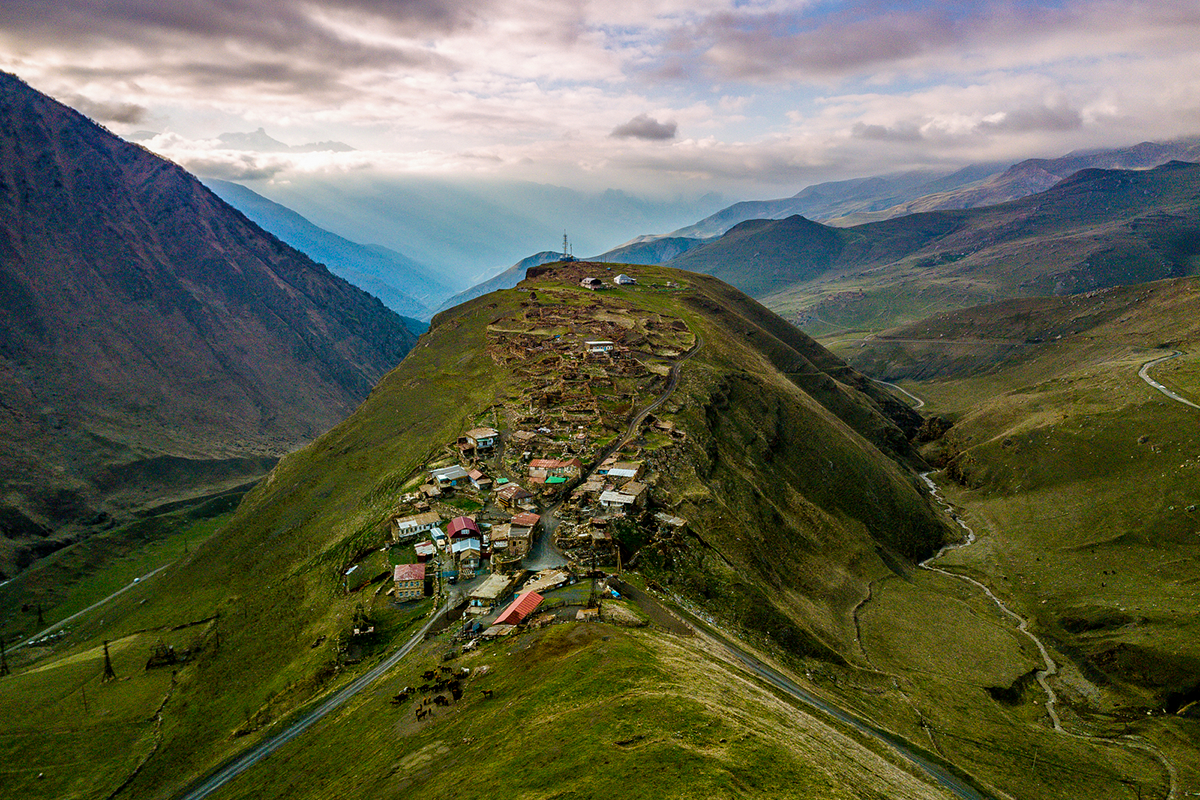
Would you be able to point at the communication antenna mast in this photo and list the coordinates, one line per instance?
(566, 248)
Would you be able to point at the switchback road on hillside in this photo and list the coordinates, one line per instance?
(223, 775)
(1144, 374)
(943, 776)
(919, 402)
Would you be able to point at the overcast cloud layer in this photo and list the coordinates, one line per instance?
(754, 98)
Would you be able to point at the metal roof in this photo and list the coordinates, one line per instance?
(409, 572)
(460, 524)
(519, 609)
(463, 545)
(526, 519)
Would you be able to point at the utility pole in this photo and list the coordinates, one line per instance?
(41, 622)
(3, 660)
(83, 691)
(109, 674)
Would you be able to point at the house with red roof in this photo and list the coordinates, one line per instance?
(520, 609)
(463, 528)
(410, 581)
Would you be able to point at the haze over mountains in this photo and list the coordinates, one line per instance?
(156, 343)
(406, 287)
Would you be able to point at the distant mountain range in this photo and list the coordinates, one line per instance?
(405, 286)
(1098, 228)
(505, 280)
(853, 202)
(154, 343)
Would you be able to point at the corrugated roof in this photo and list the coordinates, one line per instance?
(526, 519)
(519, 609)
(460, 524)
(409, 572)
(464, 544)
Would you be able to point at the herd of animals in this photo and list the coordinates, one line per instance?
(438, 680)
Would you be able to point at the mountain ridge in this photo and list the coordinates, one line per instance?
(143, 318)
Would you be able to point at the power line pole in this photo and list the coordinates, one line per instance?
(3, 660)
(109, 674)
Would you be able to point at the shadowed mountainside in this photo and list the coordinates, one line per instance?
(153, 342)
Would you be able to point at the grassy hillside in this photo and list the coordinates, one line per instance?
(1081, 481)
(805, 522)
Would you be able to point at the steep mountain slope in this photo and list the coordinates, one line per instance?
(805, 523)
(505, 280)
(405, 286)
(783, 440)
(155, 343)
(649, 250)
(1095, 229)
(1078, 475)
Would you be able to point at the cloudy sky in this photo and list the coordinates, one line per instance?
(753, 98)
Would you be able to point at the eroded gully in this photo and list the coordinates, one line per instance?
(1049, 666)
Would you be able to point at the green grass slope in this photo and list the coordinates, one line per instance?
(255, 601)
(1081, 481)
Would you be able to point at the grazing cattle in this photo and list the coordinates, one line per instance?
(424, 687)
(428, 674)
(441, 700)
(421, 714)
(487, 694)
(456, 693)
(398, 699)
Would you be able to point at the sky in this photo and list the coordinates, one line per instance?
(749, 98)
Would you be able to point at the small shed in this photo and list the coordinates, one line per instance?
(450, 476)
(624, 280)
(519, 610)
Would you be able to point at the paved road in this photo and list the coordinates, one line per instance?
(951, 782)
(1144, 374)
(92, 607)
(207, 786)
(919, 402)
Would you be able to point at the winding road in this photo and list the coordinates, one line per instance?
(224, 774)
(919, 402)
(958, 786)
(1144, 374)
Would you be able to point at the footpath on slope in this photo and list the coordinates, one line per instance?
(1050, 668)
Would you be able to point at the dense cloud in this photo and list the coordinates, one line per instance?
(124, 113)
(773, 91)
(645, 127)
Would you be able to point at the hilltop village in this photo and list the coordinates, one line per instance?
(553, 486)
